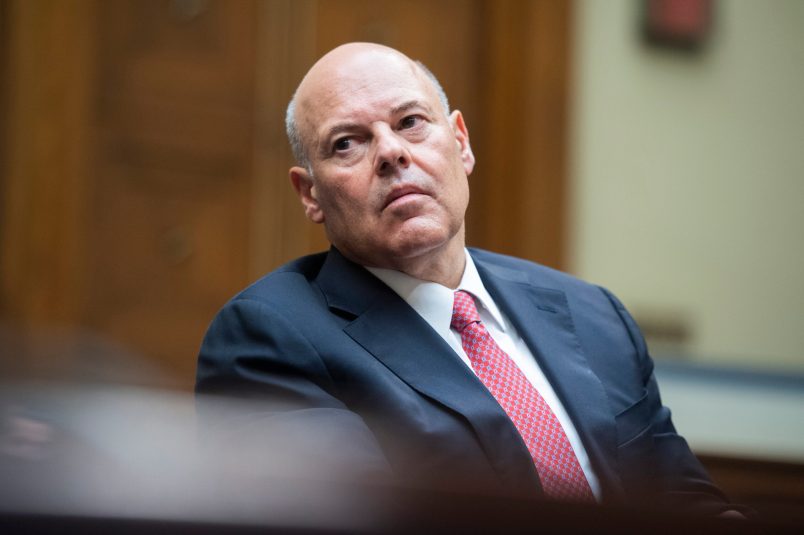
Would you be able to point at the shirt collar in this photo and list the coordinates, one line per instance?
(434, 301)
(471, 283)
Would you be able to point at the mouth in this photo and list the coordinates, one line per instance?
(400, 192)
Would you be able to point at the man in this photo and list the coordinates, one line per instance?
(524, 381)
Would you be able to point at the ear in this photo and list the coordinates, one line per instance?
(462, 138)
(305, 189)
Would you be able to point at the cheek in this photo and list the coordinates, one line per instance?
(345, 196)
(442, 157)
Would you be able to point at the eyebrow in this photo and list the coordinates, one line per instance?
(405, 106)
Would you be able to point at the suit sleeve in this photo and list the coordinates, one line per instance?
(265, 399)
(657, 461)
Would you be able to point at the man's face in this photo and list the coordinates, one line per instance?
(389, 167)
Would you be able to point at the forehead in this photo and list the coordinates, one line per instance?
(363, 87)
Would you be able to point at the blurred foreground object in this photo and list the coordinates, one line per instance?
(123, 458)
(125, 453)
(100, 452)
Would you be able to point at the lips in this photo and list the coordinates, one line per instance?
(401, 191)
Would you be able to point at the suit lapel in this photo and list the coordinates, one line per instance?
(396, 335)
(542, 317)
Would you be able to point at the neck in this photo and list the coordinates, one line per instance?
(444, 266)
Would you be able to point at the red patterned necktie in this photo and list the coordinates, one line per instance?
(558, 468)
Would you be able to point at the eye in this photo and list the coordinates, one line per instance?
(342, 144)
(410, 121)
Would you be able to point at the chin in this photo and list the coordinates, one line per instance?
(416, 244)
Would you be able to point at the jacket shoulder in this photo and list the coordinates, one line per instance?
(286, 280)
(537, 274)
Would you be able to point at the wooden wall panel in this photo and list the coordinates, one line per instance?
(45, 127)
(5, 56)
(170, 225)
(519, 205)
(286, 49)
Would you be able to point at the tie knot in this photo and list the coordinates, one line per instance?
(464, 311)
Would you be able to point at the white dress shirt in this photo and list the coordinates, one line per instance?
(433, 302)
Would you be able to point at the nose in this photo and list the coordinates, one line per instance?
(391, 152)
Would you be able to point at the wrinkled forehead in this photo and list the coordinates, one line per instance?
(371, 80)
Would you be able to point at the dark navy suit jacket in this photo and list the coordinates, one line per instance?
(342, 353)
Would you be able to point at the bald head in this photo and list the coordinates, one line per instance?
(351, 63)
